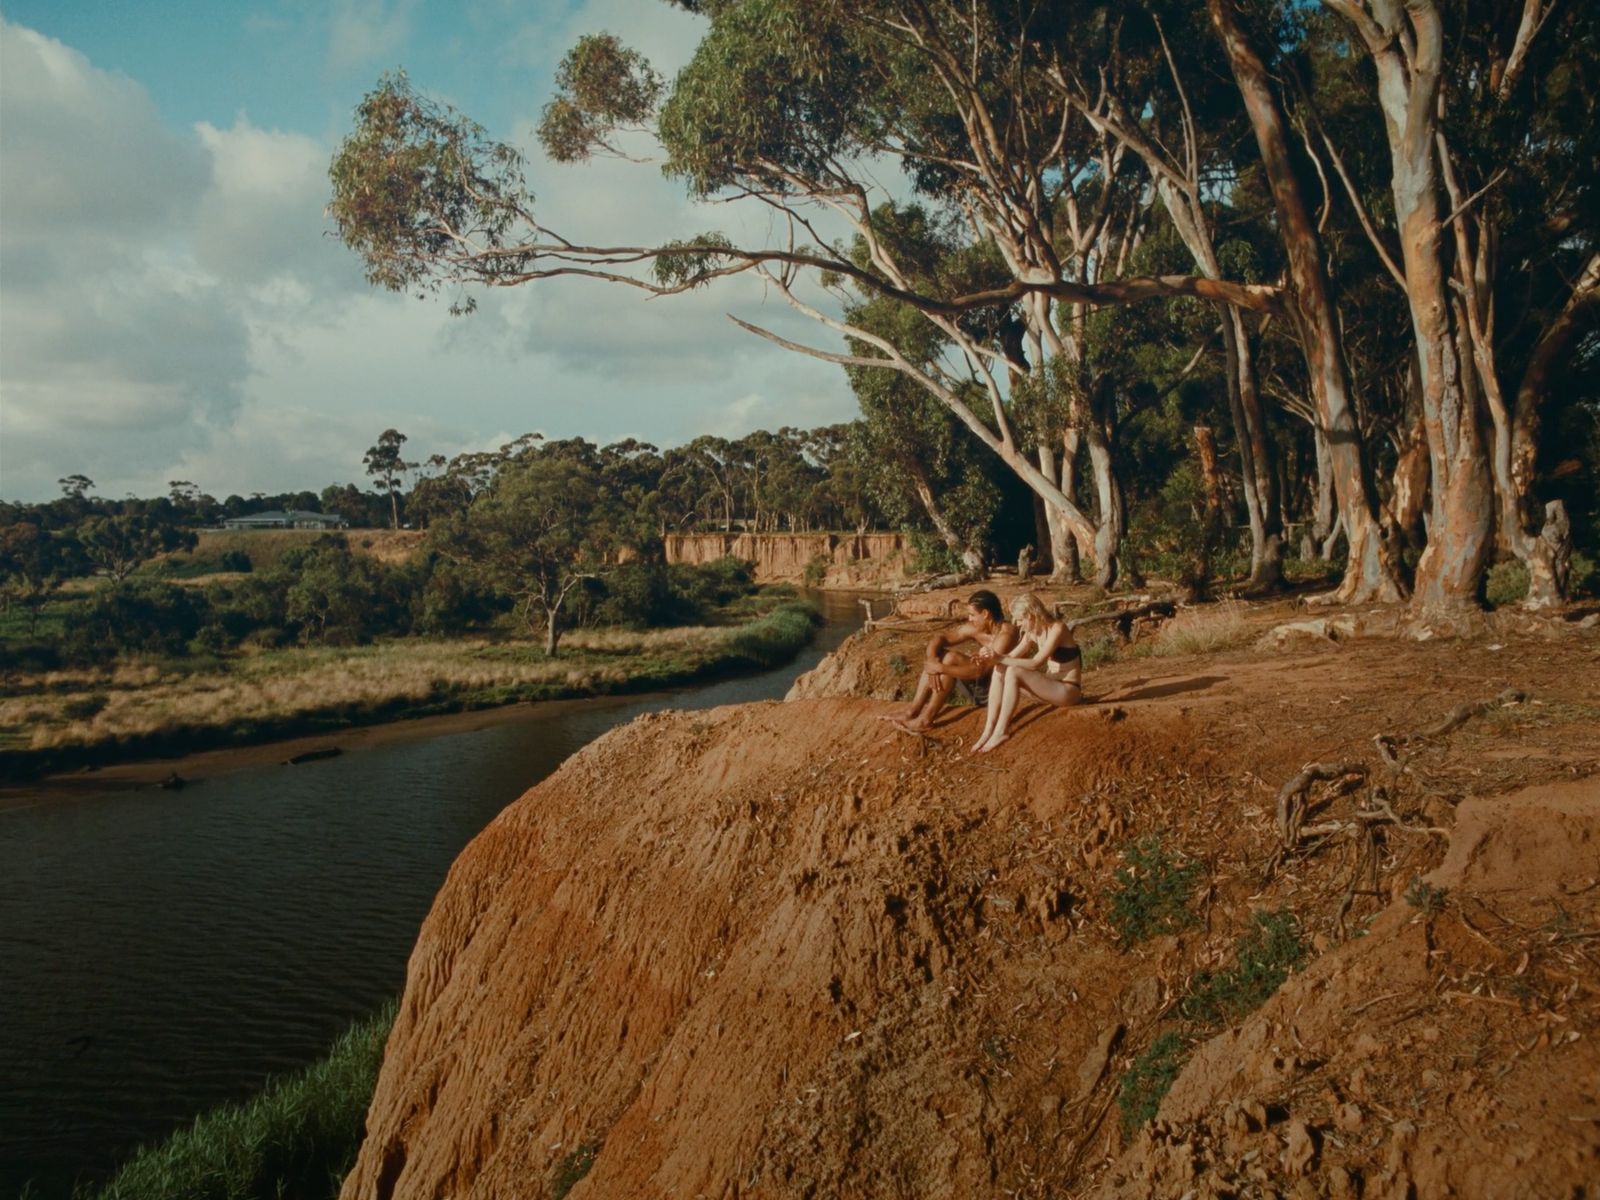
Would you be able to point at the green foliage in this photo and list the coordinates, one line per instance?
(1585, 577)
(118, 544)
(1506, 583)
(1425, 897)
(298, 1138)
(692, 263)
(412, 177)
(142, 616)
(775, 638)
(816, 570)
(1263, 959)
(601, 86)
(1153, 890)
(1150, 1078)
(571, 1169)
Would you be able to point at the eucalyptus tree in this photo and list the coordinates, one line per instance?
(385, 465)
(788, 106)
(1119, 72)
(543, 525)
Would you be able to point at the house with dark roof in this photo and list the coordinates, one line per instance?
(287, 520)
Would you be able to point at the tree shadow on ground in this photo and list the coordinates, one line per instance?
(1157, 691)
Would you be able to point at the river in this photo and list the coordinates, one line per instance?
(162, 952)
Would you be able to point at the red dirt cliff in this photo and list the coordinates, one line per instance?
(785, 950)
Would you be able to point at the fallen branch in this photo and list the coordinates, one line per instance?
(1125, 617)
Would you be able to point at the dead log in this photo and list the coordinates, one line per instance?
(1124, 618)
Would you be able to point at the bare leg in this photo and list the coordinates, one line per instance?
(925, 686)
(943, 685)
(996, 687)
(1008, 706)
(1062, 692)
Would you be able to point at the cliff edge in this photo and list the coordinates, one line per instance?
(787, 950)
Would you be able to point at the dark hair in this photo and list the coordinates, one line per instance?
(987, 601)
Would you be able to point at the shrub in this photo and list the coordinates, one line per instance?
(235, 560)
(138, 616)
(1506, 583)
(571, 1169)
(1153, 891)
(1150, 1078)
(1263, 959)
(1585, 578)
(82, 708)
(297, 1138)
(816, 571)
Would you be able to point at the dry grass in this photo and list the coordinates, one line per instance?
(144, 700)
(1200, 631)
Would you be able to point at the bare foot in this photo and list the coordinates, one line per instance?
(915, 724)
(993, 743)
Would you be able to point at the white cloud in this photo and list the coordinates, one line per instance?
(170, 306)
(366, 31)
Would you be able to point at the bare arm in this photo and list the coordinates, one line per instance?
(942, 642)
(1043, 648)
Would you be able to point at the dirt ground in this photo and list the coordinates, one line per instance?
(789, 950)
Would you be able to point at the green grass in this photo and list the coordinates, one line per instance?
(144, 706)
(296, 1139)
(1152, 893)
(1145, 1084)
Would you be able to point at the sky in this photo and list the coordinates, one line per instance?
(173, 305)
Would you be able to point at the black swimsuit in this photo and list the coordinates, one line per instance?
(1065, 654)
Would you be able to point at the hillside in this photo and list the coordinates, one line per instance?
(787, 950)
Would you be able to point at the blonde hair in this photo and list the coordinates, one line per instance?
(1026, 609)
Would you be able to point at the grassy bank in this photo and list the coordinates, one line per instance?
(142, 708)
(297, 1138)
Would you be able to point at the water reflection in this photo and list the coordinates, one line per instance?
(163, 952)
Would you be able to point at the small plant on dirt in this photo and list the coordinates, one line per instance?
(1425, 897)
(1150, 1078)
(1263, 959)
(1153, 890)
(816, 571)
(571, 1169)
(897, 664)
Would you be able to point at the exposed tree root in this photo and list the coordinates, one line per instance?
(1376, 809)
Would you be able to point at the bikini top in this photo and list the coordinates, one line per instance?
(1065, 654)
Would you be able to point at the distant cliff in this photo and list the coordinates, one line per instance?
(848, 560)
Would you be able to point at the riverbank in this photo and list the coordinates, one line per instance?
(69, 720)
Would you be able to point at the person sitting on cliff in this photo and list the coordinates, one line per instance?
(944, 667)
(1052, 670)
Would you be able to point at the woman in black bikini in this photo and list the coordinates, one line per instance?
(1053, 672)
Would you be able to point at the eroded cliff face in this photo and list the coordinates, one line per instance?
(848, 560)
(785, 950)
